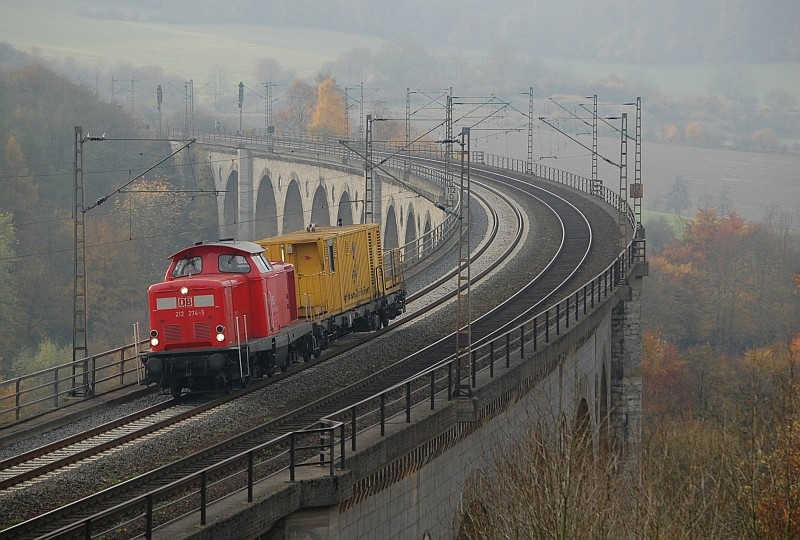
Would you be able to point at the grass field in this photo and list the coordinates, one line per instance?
(680, 80)
(185, 50)
(189, 51)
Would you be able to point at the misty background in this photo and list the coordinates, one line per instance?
(719, 81)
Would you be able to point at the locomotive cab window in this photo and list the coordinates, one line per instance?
(235, 264)
(262, 263)
(188, 267)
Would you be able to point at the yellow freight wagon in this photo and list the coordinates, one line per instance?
(345, 281)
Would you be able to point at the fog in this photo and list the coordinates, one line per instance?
(647, 31)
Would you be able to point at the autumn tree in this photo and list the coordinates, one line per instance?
(666, 385)
(8, 290)
(353, 64)
(727, 282)
(694, 133)
(301, 101)
(220, 76)
(671, 133)
(328, 117)
(269, 69)
(20, 192)
(678, 197)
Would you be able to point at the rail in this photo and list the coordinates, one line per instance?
(318, 446)
(52, 388)
(536, 331)
(139, 517)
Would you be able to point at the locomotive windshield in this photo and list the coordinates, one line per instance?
(236, 264)
(263, 265)
(188, 267)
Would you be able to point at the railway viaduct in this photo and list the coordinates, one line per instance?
(406, 483)
(264, 193)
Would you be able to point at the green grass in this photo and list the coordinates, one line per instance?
(186, 50)
(672, 219)
(189, 50)
(679, 80)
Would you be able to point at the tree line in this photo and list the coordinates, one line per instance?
(720, 455)
(649, 31)
(128, 238)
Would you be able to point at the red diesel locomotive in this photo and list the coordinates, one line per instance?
(222, 315)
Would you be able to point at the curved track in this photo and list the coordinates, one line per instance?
(79, 447)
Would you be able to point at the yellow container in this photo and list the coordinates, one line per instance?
(336, 268)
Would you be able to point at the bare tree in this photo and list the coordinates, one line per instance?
(220, 76)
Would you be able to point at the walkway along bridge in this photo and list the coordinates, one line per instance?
(396, 462)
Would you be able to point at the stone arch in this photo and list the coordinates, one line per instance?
(412, 250)
(583, 422)
(230, 210)
(427, 242)
(293, 209)
(390, 236)
(602, 416)
(320, 209)
(266, 215)
(345, 212)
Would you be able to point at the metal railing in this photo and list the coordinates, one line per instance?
(299, 448)
(325, 445)
(321, 446)
(535, 332)
(51, 388)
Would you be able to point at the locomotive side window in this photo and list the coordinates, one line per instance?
(235, 264)
(188, 267)
(262, 263)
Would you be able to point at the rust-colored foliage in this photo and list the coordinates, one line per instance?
(666, 385)
(778, 490)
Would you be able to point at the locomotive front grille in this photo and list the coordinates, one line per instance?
(202, 330)
(172, 333)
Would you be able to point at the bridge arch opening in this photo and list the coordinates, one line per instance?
(230, 211)
(427, 242)
(293, 209)
(583, 423)
(390, 236)
(412, 250)
(602, 416)
(345, 213)
(320, 210)
(266, 209)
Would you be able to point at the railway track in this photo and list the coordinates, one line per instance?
(24, 468)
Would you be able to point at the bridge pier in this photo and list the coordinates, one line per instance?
(245, 219)
(625, 416)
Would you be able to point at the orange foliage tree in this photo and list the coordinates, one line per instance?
(328, 117)
(666, 386)
(778, 492)
(723, 282)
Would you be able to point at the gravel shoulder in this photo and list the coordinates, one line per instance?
(145, 454)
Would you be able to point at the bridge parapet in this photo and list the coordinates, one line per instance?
(400, 434)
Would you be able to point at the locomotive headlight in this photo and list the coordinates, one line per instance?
(184, 290)
(153, 333)
(154, 342)
(220, 337)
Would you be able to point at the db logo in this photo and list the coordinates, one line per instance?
(185, 302)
